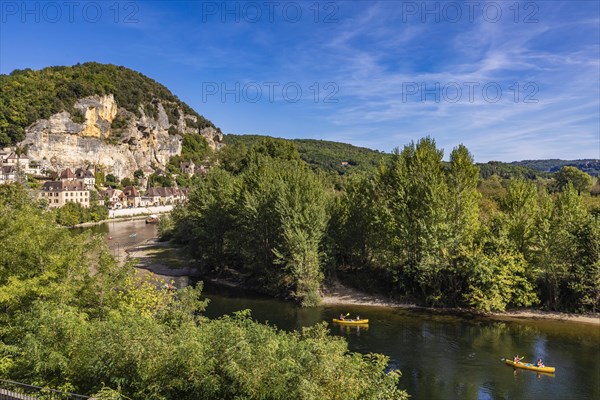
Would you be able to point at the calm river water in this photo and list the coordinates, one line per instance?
(440, 357)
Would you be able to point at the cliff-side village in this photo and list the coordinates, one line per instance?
(68, 186)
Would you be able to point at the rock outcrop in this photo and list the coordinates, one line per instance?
(111, 137)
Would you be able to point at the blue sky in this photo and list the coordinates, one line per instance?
(511, 80)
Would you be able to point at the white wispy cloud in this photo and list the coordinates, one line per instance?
(564, 122)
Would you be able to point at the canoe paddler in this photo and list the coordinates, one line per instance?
(517, 359)
(540, 363)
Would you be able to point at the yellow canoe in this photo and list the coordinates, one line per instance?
(531, 367)
(351, 321)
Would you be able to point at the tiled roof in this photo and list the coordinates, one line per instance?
(67, 174)
(153, 192)
(62, 185)
(131, 191)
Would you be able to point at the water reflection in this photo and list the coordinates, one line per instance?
(450, 357)
(349, 330)
(123, 234)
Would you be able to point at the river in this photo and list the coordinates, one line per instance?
(122, 235)
(440, 357)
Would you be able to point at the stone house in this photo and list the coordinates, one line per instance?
(153, 196)
(166, 195)
(133, 196)
(21, 162)
(180, 195)
(147, 170)
(8, 173)
(14, 159)
(59, 193)
(4, 153)
(187, 167)
(113, 198)
(86, 176)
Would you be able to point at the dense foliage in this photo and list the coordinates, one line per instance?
(74, 213)
(71, 318)
(418, 228)
(267, 222)
(27, 96)
(327, 156)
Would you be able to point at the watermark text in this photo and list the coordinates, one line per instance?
(254, 92)
(69, 11)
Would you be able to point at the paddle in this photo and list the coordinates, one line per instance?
(520, 359)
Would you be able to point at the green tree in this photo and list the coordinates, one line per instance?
(111, 180)
(301, 208)
(138, 173)
(581, 181)
(70, 214)
(555, 245)
(207, 223)
(521, 207)
(414, 188)
(354, 226)
(584, 280)
(499, 280)
(463, 222)
(126, 182)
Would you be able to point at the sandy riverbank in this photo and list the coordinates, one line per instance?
(338, 294)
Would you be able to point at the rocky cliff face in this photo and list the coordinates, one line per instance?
(110, 137)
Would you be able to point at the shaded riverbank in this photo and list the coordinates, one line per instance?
(164, 260)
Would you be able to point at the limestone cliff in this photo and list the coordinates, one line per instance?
(110, 136)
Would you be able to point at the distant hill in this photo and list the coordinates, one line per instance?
(345, 158)
(592, 167)
(27, 96)
(322, 154)
(509, 170)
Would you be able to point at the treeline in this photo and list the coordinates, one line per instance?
(343, 159)
(27, 96)
(74, 320)
(589, 166)
(419, 229)
(323, 155)
(425, 227)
